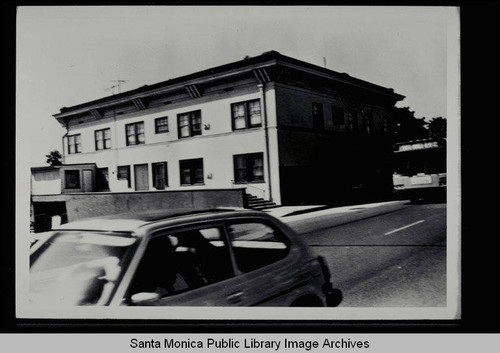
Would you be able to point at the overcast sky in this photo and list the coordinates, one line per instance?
(70, 55)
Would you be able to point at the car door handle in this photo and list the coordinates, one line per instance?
(235, 297)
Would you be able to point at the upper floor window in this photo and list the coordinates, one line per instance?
(352, 120)
(246, 115)
(191, 171)
(135, 133)
(249, 168)
(161, 125)
(74, 144)
(368, 123)
(189, 124)
(102, 139)
(338, 116)
(317, 113)
(385, 124)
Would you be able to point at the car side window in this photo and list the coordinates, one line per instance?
(176, 262)
(256, 244)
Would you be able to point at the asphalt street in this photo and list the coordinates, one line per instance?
(393, 259)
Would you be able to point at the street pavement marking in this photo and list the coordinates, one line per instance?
(409, 225)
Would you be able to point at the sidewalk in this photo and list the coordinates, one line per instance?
(304, 219)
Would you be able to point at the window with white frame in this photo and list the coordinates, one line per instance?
(102, 139)
(191, 171)
(249, 168)
(74, 144)
(123, 173)
(161, 125)
(135, 133)
(189, 124)
(246, 114)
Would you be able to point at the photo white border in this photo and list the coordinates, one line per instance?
(451, 312)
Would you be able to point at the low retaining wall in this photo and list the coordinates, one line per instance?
(86, 205)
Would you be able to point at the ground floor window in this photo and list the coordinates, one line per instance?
(191, 171)
(160, 180)
(124, 174)
(249, 167)
(72, 179)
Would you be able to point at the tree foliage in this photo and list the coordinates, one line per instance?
(406, 127)
(54, 158)
(436, 128)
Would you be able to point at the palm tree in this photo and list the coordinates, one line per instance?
(54, 158)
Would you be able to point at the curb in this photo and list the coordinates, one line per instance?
(328, 218)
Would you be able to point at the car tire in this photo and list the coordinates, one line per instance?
(307, 301)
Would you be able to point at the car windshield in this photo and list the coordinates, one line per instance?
(78, 267)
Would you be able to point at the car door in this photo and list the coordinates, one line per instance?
(187, 266)
(267, 262)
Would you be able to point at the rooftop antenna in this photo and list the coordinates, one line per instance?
(324, 62)
(117, 86)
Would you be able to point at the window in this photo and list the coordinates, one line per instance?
(72, 179)
(338, 116)
(135, 133)
(368, 123)
(74, 144)
(256, 245)
(102, 139)
(177, 262)
(246, 115)
(249, 168)
(189, 124)
(352, 120)
(161, 125)
(160, 180)
(317, 113)
(191, 171)
(385, 124)
(124, 174)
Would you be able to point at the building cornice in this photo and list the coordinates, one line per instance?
(255, 66)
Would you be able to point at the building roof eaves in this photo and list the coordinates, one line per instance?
(199, 77)
(223, 71)
(342, 77)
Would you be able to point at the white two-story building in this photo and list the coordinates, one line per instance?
(286, 130)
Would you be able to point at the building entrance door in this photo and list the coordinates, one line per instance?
(141, 177)
(87, 180)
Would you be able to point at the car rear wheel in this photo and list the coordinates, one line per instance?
(307, 301)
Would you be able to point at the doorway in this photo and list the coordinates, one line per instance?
(141, 177)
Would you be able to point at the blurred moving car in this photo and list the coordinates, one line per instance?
(221, 257)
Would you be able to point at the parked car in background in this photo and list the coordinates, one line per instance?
(221, 257)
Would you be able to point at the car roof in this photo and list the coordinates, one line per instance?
(130, 221)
